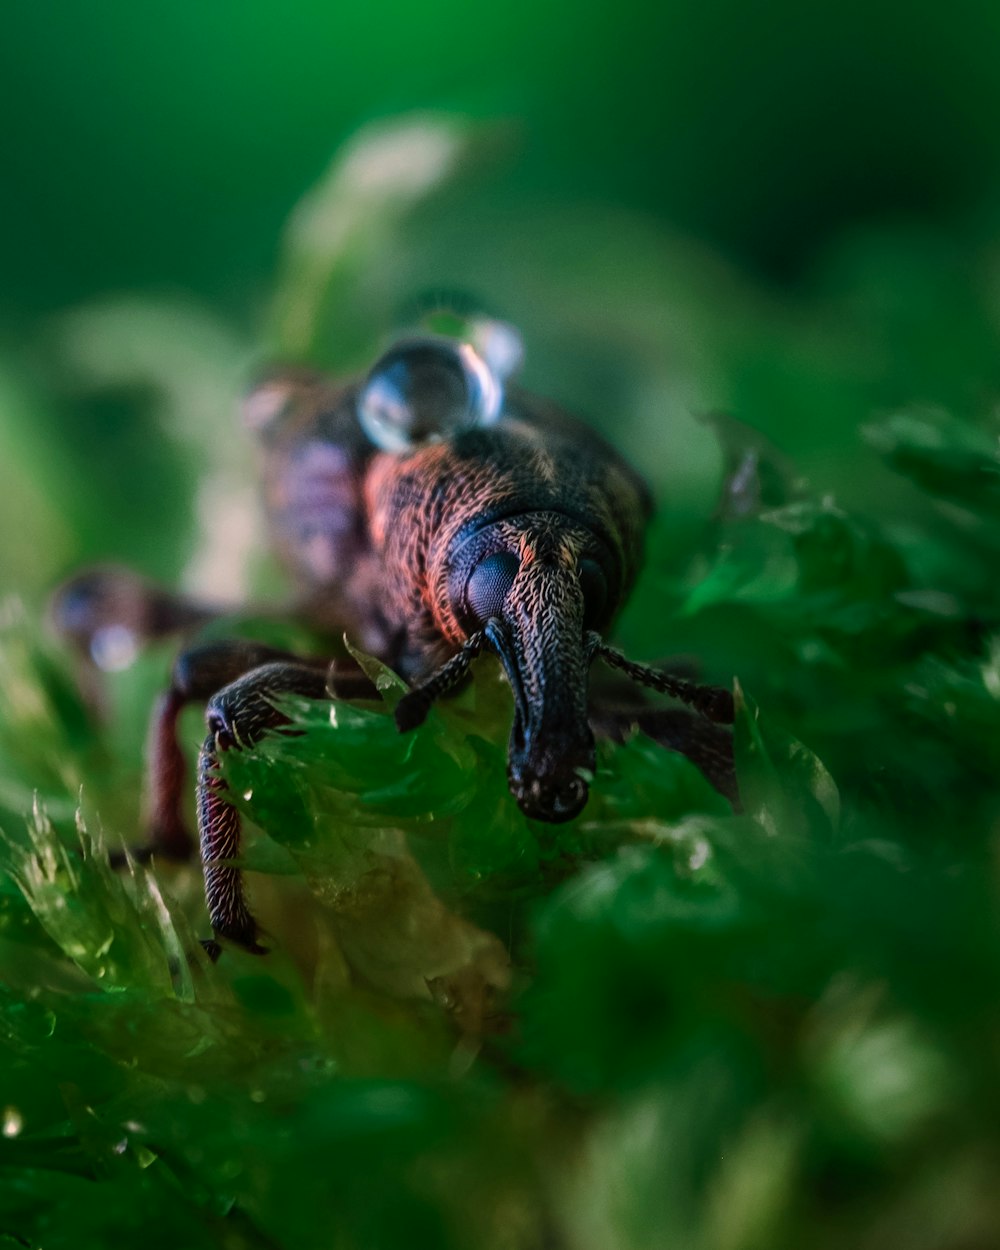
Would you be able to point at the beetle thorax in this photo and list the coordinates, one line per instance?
(433, 514)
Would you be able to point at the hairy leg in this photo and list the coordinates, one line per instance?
(199, 673)
(238, 716)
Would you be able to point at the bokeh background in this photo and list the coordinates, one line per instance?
(165, 147)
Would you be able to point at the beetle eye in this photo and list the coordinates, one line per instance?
(489, 585)
(595, 593)
(426, 389)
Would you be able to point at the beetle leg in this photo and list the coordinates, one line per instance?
(713, 702)
(708, 746)
(238, 716)
(413, 707)
(198, 673)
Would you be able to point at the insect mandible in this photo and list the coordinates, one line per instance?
(434, 512)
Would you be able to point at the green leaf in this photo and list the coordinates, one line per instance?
(784, 786)
(947, 457)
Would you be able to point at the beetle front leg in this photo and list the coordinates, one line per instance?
(198, 674)
(238, 717)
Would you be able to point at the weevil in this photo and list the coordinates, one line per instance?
(434, 511)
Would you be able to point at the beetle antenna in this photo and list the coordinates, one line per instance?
(413, 707)
(713, 702)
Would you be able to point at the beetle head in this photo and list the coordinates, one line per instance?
(533, 586)
(536, 589)
(510, 529)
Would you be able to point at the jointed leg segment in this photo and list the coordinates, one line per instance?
(238, 717)
(713, 702)
(198, 674)
(238, 680)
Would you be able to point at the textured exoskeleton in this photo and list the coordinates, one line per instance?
(433, 513)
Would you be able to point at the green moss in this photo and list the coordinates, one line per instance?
(769, 1029)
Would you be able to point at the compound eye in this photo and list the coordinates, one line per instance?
(427, 389)
(595, 593)
(489, 585)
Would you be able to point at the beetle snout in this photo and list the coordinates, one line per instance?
(553, 796)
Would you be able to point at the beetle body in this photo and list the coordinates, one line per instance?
(532, 521)
(433, 513)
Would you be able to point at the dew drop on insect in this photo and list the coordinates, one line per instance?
(12, 1122)
(426, 389)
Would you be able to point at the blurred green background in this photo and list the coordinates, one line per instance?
(164, 145)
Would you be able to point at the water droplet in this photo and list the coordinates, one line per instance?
(248, 795)
(12, 1122)
(120, 1146)
(425, 389)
